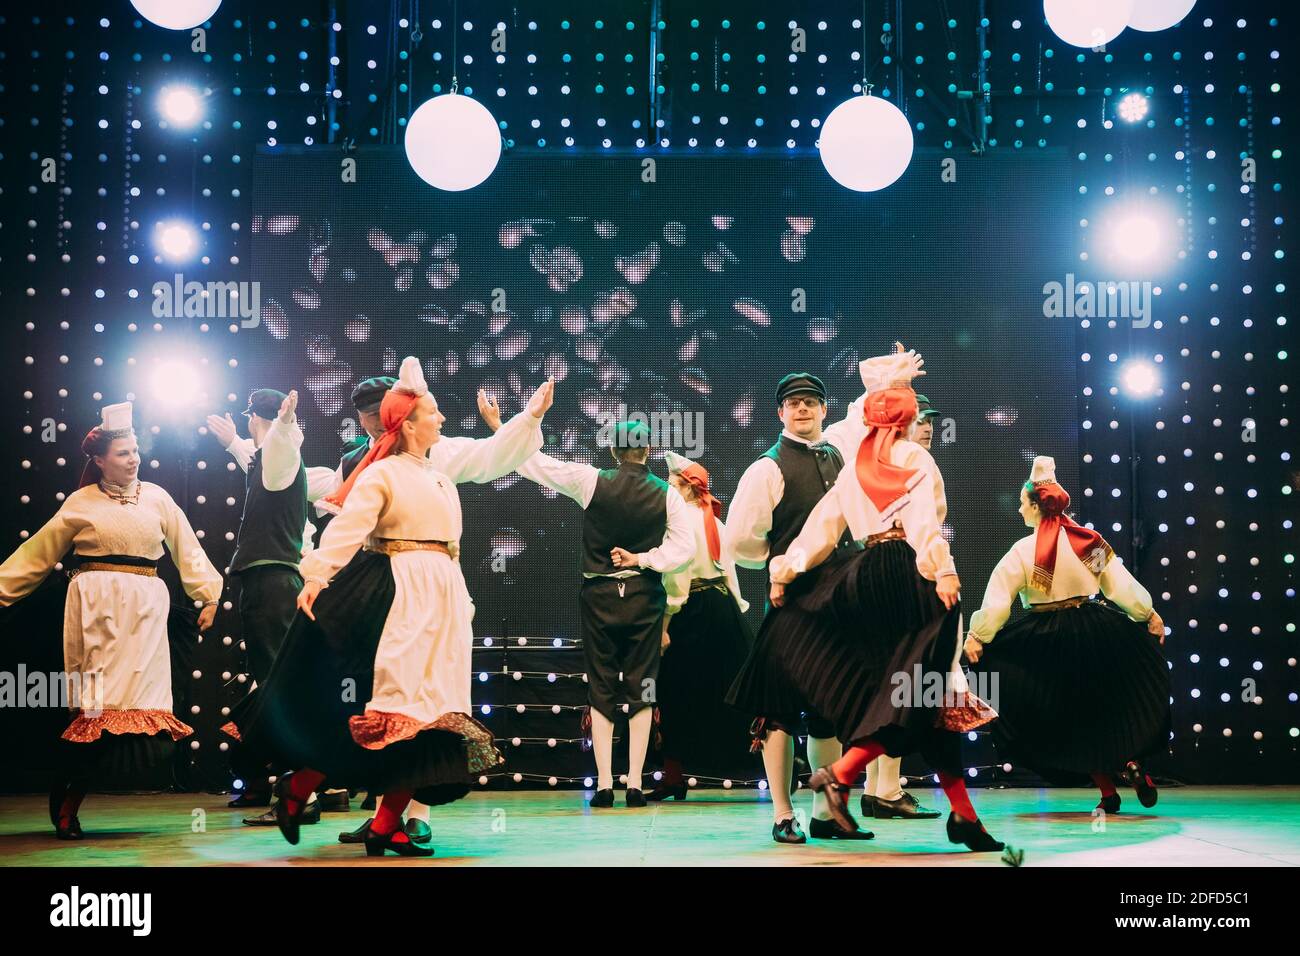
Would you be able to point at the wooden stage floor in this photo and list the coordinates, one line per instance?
(1191, 826)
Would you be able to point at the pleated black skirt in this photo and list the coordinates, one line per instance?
(850, 642)
(322, 676)
(1078, 690)
(709, 643)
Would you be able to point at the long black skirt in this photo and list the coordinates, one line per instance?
(323, 676)
(850, 643)
(709, 641)
(1078, 690)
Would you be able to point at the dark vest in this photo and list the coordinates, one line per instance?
(808, 472)
(273, 521)
(353, 455)
(629, 509)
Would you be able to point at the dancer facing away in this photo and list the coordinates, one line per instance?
(390, 626)
(705, 642)
(115, 647)
(1083, 687)
(635, 529)
(842, 632)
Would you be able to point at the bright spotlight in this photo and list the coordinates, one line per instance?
(177, 241)
(181, 106)
(1138, 379)
(176, 384)
(1136, 238)
(1133, 107)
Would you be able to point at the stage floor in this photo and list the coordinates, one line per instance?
(1200, 826)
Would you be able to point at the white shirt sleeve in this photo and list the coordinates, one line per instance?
(920, 519)
(749, 517)
(678, 546)
(1006, 582)
(729, 570)
(846, 434)
(486, 459)
(242, 450)
(323, 481)
(199, 577)
(350, 528)
(281, 456)
(571, 478)
(24, 570)
(677, 585)
(1119, 585)
(820, 534)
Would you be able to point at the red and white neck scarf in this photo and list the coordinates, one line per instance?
(888, 413)
(1089, 546)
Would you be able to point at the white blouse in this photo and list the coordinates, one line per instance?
(846, 505)
(702, 566)
(403, 496)
(1071, 578)
(99, 526)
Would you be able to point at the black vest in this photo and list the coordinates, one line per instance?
(273, 520)
(353, 455)
(808, 472)
(629, 509)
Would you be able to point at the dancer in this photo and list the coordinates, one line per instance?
(372, 686)
(705, 642)
(774, 498)
(635, 529)
(844, 631)
(1083, 688)
(115, 647)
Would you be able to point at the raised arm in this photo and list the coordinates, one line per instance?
(749, 517)
(571, 478)
(486, 459)
(281, 454)
(846, 434)
(24, 570)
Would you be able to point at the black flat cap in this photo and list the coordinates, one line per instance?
(800, 383)
(368, 395)
(265, 403)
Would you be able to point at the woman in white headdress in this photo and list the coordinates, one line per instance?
(116, 653)
(705, 643)
(371, 689)
(1083, 685)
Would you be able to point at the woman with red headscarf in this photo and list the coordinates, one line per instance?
(116, 616)
(705, 643)
(371, 688)
(849, 629)
(1083, 685)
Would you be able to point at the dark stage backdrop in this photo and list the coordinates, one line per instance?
(690, 295)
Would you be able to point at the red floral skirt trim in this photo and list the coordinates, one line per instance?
(969, 713)
(376, 729)
(86, 730)
(230, 730)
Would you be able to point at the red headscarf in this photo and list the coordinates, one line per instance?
(698, 478)
(888, 412)
(395, 409)
(1090, 547)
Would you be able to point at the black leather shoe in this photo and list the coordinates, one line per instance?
(787, 831)
(376, 845)
(309, 815)
(602, 799)
(634, 798)
(334, 802)
(1141, 781)
(358, 835)
(868, 804)
(1109, 804)
(71, 832)
(250, 798)
(369, 802)
(676, 791)
(418, 831)
(973, 834)
(904, 808)
(823, 781)
(830, 830)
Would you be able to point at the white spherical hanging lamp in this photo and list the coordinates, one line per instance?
(453, 142)
(176, 14)
(1087, 23)
(866, 143)
(1152, 15)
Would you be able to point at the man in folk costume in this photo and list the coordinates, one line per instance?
(392, 621)
(274, 534)
(774, 498)
(846, 627)
(1073, 655)
(115, 622)
(635, 529)
(705, 642)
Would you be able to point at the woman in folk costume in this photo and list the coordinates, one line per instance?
(371, 689)
(115, 647)
(705, 642)
(847, 631)
(1073, 652)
